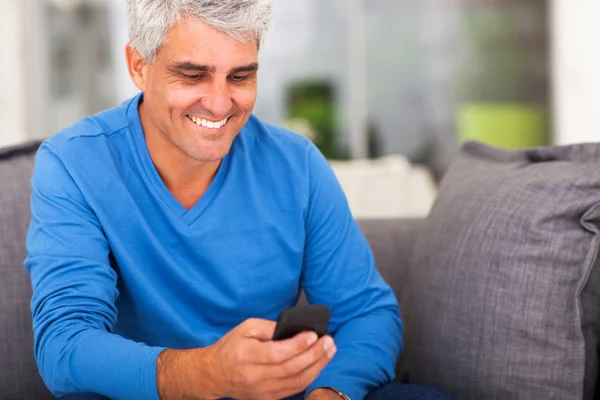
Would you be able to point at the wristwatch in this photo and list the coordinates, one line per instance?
(342, 395)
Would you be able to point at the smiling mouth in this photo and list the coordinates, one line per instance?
(207, 123)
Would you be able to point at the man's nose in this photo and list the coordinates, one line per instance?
(217, 100)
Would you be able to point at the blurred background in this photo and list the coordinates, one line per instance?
(387, 89)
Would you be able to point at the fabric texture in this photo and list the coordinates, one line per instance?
(19, 378)
(501, 300)
(396, 391)
(392, 242)
(107, 238)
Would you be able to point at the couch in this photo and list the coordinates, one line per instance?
(499, 287)
(19, 379)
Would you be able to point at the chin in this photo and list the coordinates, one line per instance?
(208, 156)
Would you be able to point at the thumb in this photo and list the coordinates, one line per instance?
(260, 329)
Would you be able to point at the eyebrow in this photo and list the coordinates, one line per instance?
(189, 66)
(245, 68)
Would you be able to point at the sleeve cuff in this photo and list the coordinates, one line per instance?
(148, 372)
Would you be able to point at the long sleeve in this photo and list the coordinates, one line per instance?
(339, 271)
(74, 294)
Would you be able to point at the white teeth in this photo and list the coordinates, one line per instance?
(208, 124)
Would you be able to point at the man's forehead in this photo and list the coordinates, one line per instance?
(194, 45)
(198, 56)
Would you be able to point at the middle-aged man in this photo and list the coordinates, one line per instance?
(168, 233)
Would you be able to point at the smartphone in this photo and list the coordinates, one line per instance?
(302, 318)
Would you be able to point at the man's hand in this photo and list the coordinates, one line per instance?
(245, 364)
(249, 365)
(323, 394)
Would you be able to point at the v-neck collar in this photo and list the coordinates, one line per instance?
(152, 175)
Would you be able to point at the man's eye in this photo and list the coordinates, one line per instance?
(193, 77)
(238, 78)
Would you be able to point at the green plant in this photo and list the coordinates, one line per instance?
(313, 101)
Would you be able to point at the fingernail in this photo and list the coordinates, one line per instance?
(331, 352)
(312, 339)
(328, 344)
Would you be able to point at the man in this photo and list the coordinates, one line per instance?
(168, 233)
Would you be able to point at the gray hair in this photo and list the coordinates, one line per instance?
(149, 20)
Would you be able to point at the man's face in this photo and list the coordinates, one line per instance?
(200, 91)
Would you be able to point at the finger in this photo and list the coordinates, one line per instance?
(307, 376)
(324, 348)
(260, 329)
(265, 352)
(299, 382)
(277, 352)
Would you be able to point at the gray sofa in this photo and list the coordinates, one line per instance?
(391, 241)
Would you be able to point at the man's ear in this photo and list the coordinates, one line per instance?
(137, 66)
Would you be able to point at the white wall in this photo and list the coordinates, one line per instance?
(576, 64)
(12, 74)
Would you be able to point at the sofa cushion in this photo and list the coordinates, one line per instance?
(392, 241)
(502, 296)
(19, 378)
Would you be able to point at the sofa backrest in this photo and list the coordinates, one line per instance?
(19, 378)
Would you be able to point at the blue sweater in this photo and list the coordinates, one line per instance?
(121, 270)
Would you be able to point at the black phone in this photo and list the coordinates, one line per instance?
(302, 318)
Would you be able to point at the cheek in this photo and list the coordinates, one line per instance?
(245, 99)
(180, 100)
